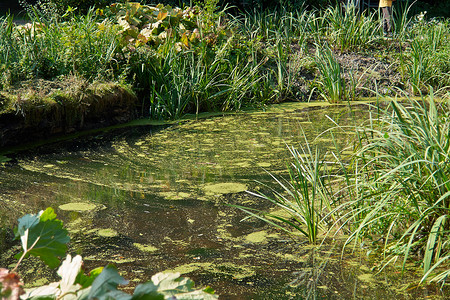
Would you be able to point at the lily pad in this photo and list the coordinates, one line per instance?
(78, 206)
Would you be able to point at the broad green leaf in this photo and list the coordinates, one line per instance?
(114, 295)
(147, 291)
(87, 280)
(172, 283)
(167, 285)
(133, 7)
(432, 242)
(162, 14)
(43, 235)
(184, 39)
(42, 298)
(208, 290)
(106, 283)
(135, 21)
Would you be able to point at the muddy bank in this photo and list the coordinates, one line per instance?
(40, 109)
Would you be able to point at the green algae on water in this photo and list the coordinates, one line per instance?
(259, 237)
(78, 206)
(224, 188)
(175, 195)
(145, 248)
(107, 232)
(236, 271)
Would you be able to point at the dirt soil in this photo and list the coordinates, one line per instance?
(372, 74)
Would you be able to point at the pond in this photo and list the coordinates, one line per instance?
(156, 198)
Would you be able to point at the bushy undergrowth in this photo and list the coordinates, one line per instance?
(191, 59)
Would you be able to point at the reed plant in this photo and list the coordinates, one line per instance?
(393, 193)
(331, 84)
(50, 48)
(419, 66)
(424, 60)
(403, 184)
(350, 30)
(303, 197)
(402, 20)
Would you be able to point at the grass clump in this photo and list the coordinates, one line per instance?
(302, 199)
(403, 183)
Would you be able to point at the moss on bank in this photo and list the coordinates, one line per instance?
(39, 109)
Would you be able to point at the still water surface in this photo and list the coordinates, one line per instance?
(152, 199)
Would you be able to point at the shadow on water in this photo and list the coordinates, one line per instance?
(152, 199)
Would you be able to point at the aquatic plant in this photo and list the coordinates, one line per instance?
(393, 192)
(426, 62)
(403, 182)
(302, 199)
(331, 84)
(43, 236)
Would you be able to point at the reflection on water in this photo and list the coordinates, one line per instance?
(160, 198)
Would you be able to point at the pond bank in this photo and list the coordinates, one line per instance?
(40, 109)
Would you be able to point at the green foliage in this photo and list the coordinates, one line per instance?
(153, 26)
(407, 195)
(393, 193)
(47, 50)
(348, 30)
(331, 84)
(397, 187)
(200, 58)
(427, 61)
(58, 8)
(42, 235)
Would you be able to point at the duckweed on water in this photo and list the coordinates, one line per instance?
(259, 237)
(107, 232)
(134, 174)
(145, 248)
(175, 195)
(224, 188)
(78, 206)
(225, 269)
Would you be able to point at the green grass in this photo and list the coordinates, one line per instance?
(331, 84)
(403, 181)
